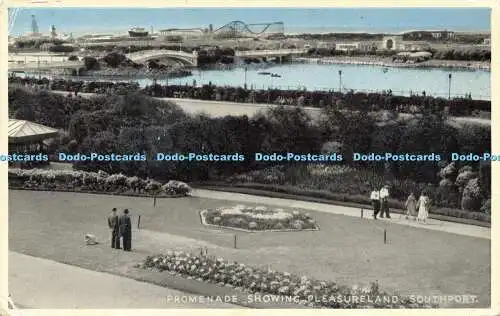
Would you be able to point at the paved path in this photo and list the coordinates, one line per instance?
(46, 284)
(449, 227)
(223, 108)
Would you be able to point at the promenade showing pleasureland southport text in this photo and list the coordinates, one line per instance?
(259, 158)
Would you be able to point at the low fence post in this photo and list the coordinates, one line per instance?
(385, 236)
(234, 241)
(139, 222)
(361, 213)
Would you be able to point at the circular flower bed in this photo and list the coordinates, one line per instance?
(310, 292)
(69, 180)
(259, 218)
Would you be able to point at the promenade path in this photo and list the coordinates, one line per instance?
(45, 284)
(432, 224)
(223, 108)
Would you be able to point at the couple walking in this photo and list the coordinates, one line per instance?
(422, 205)
(120, 226)
(380, 202)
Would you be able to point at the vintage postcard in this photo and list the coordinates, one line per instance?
(249, 158)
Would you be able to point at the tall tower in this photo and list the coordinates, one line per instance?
(34, 25)
(53, 33)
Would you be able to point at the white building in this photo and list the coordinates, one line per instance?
(347, 47)
(442, 34)
(414, 46)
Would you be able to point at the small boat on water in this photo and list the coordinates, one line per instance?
(385, 70)
(276, 75)
(263, 73)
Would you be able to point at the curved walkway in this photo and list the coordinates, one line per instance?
(449, 227)
(222, 108)
(45, 284)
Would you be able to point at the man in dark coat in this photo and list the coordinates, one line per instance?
(384, 202)
(126, 230)
(115, 229)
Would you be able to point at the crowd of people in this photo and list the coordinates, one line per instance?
(416, 210)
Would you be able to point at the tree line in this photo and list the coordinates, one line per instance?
(130, 122)
(320, 99)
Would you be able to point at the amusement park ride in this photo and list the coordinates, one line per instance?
(236, 29)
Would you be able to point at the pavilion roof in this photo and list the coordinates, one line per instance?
(21, 131)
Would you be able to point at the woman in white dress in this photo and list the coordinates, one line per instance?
(423, 207)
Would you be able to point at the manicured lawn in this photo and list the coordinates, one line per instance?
(346, 249)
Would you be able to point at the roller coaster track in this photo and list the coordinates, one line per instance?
(13, 13)
(240, 28)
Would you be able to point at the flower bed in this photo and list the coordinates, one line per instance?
(259, 218)
(69, 180)
(305, 291)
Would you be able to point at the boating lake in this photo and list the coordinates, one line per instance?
(363, 78)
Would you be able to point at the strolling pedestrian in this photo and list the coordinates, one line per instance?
(126, 230)
(384, 202)
(375, 197)
(411, 207)
(423, 207)
(114, 227)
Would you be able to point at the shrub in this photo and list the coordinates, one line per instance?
(83, 181)
(471, 197)
(465, 176)
(91, 63)
(486, 207)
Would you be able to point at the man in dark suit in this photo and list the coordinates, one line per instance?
(126, 230)
(115, 229)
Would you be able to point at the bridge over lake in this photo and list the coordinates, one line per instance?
(190, 59)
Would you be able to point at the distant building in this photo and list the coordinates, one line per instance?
(443, 35)
(428, 35)
(487, 41)
(34, 25)
(46, 47)
(391, 42)
(67, 37)
(414, 46)
(184, 33)
(96, 38)
(53, 33)
(408, 57)
(326, 45)
(346, 47)
(367, 46)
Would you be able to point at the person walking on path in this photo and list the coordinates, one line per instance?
(115, 229)
(411, 207)
(384, 202)
(126, 230)
(375, 197)
(423, 207)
